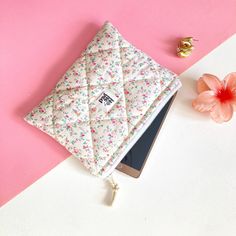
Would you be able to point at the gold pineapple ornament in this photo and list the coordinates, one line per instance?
(185, 47)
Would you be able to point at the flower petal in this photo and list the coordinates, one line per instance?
(205, 101)
(201, 85)
(233, 103)
(208, 82)
(230, 81)
(222, 112)
(234, 106)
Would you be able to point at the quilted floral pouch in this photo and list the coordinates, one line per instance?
(105, 101)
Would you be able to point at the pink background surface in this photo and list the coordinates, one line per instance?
(41, 39)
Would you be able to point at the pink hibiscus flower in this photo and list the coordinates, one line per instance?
(216, 97)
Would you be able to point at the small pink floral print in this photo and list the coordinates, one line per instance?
(76, 150)
(93, 109)
(96, 136)
(93, 130)
(126, 92)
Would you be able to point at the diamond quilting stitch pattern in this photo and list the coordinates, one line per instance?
(70, 115)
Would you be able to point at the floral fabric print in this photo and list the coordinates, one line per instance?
(72, 116)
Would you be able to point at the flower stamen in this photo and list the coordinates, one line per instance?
(224, 95)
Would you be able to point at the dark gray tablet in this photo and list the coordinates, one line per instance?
(133, 163)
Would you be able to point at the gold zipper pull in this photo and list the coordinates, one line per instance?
(115, 188)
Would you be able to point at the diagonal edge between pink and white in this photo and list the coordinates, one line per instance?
(71, 113)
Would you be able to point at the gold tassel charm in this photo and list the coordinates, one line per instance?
(185, 47)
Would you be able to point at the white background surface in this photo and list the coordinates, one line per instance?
(188, 186)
